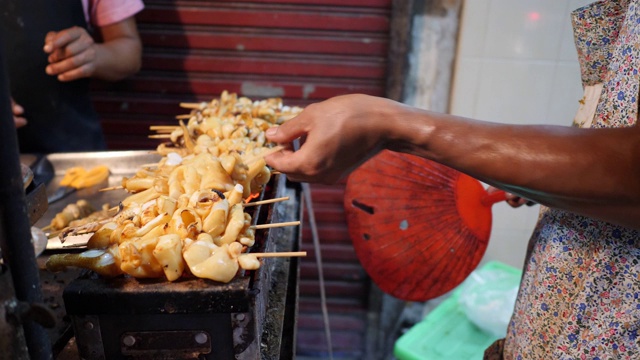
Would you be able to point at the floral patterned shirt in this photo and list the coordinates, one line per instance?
(580, 292)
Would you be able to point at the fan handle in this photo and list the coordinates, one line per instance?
(491, 198)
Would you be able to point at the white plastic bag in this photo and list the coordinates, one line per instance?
(488, 297)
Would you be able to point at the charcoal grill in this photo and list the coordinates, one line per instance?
(251, 317)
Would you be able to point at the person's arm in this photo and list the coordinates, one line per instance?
(594, 172)
(73, 54)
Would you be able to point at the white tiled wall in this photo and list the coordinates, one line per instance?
(516, 63)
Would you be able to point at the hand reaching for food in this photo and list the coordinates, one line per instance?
(72, 54)
(358, 121)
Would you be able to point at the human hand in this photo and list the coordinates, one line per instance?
(514, 201)
(336, 136)
(72, 54)
(18, 111)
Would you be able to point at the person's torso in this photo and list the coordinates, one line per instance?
(60, 114)
(580, 293)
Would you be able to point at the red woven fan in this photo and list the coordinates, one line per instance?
(419, 228)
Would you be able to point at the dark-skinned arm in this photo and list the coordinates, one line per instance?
(73, 54)
(594, 172)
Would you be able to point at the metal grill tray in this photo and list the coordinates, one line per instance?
(120, 164)
(256, 301)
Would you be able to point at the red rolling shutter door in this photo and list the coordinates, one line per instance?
(301, 50)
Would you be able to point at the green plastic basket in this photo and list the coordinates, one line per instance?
(446, 333)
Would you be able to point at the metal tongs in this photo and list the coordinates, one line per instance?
(78, 178)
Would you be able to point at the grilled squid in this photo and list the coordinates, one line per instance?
(209, 261)
(105, 262)
(186, 212)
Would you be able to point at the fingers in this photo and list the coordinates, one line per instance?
(305, 165)
(77, 67)
(71, 54)
(291, 129)
(83, 71)
(516, 201)
(16, 108)
(296, 165)
(56, 40)
(19, 121)
(17, 112)
(75, 47)
(284, 161)
(513, 200)
(285, 134)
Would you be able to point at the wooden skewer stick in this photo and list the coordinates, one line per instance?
(269, 201)
(149, 165)
(163, 127)
(117, 187)
(184, 116)
(275, 172)
(267, 226)
(188, 141)
(164, 131)
(160, 136)
(278, 254)
(191, 105)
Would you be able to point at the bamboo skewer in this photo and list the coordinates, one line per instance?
(269, 201)
(160, 136)
(196, 106)
(188, 141)
(278, 254)
(150, 165)
(268, 226)
(184, 116)
(163, 127)
(164, 131)
(117, 187)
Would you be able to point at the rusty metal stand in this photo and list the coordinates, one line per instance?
(22, 311)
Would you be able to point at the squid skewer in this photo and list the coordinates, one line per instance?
(222, 145)
(268, 201)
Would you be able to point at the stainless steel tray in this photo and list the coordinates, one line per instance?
(120, 164)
